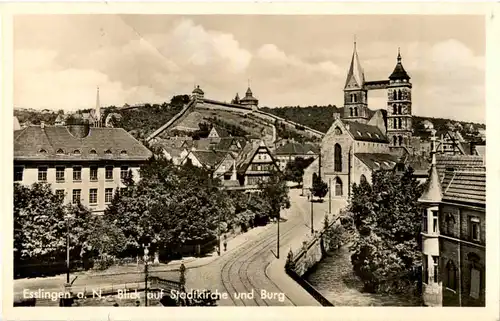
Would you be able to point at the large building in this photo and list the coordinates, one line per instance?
(360, 140)
(86, 164)
(453, 234)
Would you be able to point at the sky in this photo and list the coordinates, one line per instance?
(60, 60)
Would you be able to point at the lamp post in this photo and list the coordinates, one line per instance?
(67, 217)
(329, 196)
(312, 215)
(278, 239)
(146, 251)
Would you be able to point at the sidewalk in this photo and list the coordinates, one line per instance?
(125, 277)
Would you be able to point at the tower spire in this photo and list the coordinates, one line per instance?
(98, 109)
(356, 75)
(399, 55)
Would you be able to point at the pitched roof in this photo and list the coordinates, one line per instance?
(246, 155)
(355, 70)
(209, 158)
(292, 148)
(456, 162)
(481, 150)
(465, 187)
(59, 144)
(376, 161)
(364, 132)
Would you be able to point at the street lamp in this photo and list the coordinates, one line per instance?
(312, 215)
(146, 251)
(329, 196)
(67, 217)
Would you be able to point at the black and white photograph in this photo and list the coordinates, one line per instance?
(243, 160)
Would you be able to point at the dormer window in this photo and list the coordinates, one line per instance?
(42, 151)
(377, 163)
(369, 134)
(108, 152)
(76, 152)
(60, 151)
(123, 152)
(359, 133)
(377, 135)
(93, 152)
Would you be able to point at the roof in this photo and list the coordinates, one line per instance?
(432, 192)
(248, 96)
(293, 148)
(355, 70)
(416, 162)
(247, 154)
(209, 158)
(481, 150)
(456, 162)
(198, 90)
(399, 72)
(221, 131)
(465, 187)
(376, 161)
(364, 132)
(60, 145)
(225, 143)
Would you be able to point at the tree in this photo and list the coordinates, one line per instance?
(275, 192)
(294, 170)
(385, 221)
(319, 188)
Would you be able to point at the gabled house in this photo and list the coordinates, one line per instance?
(255, 164)
(452, 143)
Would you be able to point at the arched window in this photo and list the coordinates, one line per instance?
(351, 111)
(394, 123)
(338, 131)
(355, 111)
(338, 186)
(93, 151)
(400, 138)
(450, 224)
(76, 152)
(354, 98)
(395, 140)
(362, 179)
(107, 151)
(337, 158)
(399, 122)
(399, 109)
(394, 96)
(60, 151)
(399, 95)
(451, 275)
(394, 111)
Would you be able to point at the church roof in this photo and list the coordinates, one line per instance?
(377, 161)
(465, 187)
(399, 72)
(364, 132)
(355, 70)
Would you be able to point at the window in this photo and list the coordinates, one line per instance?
(425, 269)
(42, 174)
(42, 151)
(424, 221)
(394, 140)
(399, 122)
(93, 196)
(394, 95)
(109, 172)
(60, 173)
(77, 173)
(451, 276)
(435, 227)
(123, 152)
(60, 151)
(400, 138)
(60, 193)
(76, 152)
(93, 173)
(350, 109)
(355, 111)
(362, 179)
(108, 195)
(394, 123)
(338, 131)
(399, 110)
(474, 229)
(18, 173)
(123, 172)
(338, 186)
(475, 281)
(450, 223)
(337, 158)
(399, 95)
(77, 193)
(93, 152)
(394, 109)
(435, 270)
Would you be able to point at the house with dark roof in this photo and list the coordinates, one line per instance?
(85, 164)
(292, 150)
(254, 164)
(454, 235)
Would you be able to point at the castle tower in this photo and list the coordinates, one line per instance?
(430, 199)
(198, 93)
(355, 93)
(399, 113)
(250, 100)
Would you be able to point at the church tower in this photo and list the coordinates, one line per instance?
(399, 113)
(355, 93)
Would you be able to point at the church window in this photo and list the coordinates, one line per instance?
(354, 98)
(394, 96)
(338, 186)
(355, 111)
(351, 112)
(394, 123)
(394, 138)
(399, 123)
(338, 158)
(338, 131)
(399, 95)
(399, 110)
(394, 109)
(362, 179)
(400, 138)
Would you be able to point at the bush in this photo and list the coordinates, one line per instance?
(104, 262)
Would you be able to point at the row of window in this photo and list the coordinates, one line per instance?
(61, 151)
(261, 167)
(474, 227)
(399, 141)
(93, 195)
(77, 173)
(397, 95)
(397, 123)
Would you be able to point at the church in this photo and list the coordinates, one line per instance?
(361, 140)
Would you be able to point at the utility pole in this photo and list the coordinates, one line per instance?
(278, 240)
(312, 215)
(67, 249)
(146, 251)
(330, 196)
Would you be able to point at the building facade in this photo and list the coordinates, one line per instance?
(85, 164)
